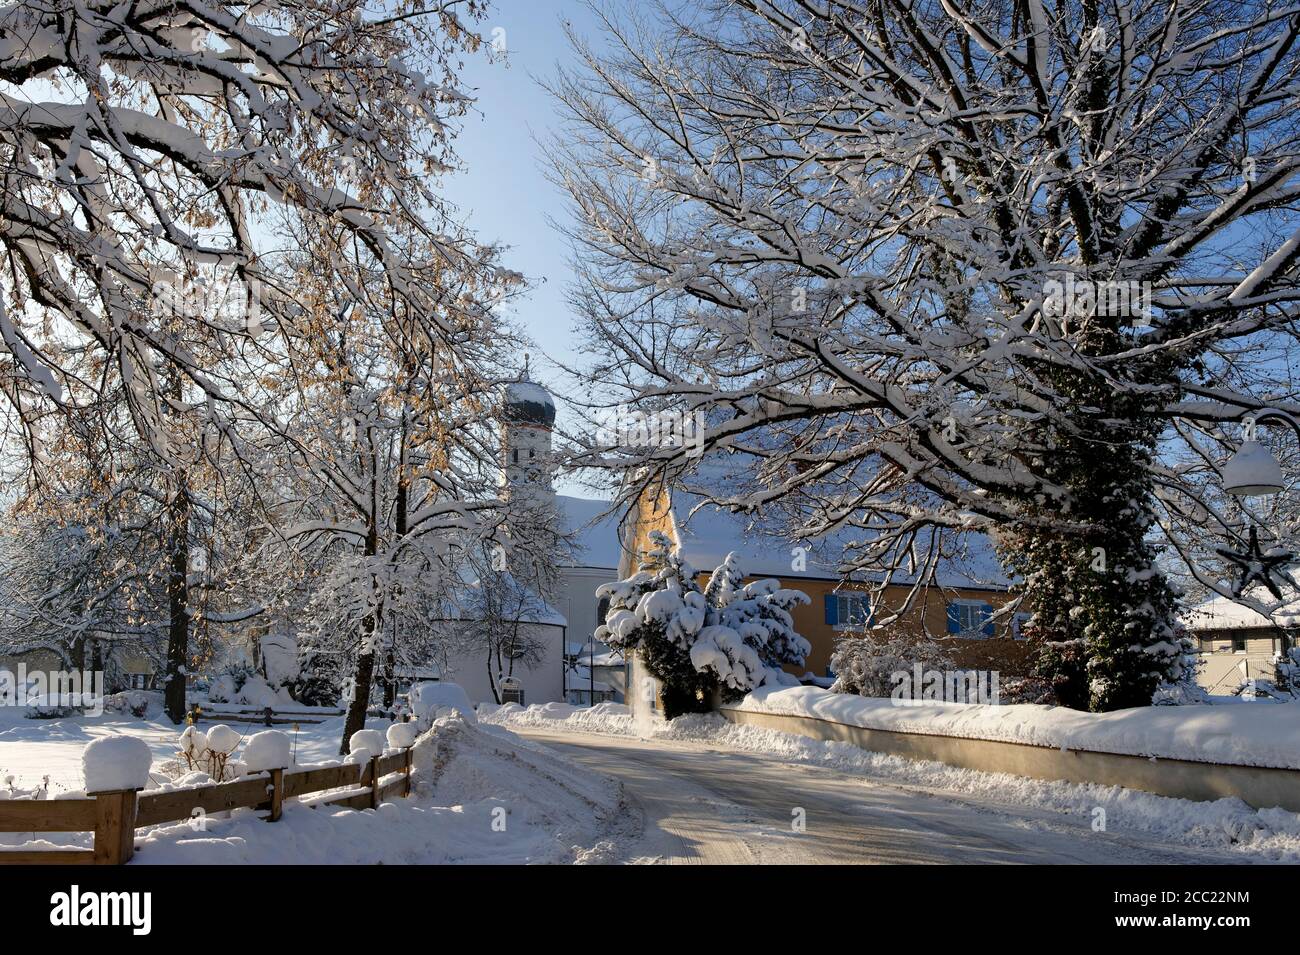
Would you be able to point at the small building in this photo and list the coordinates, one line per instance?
(1237, 643)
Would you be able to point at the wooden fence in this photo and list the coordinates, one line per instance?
(115, 816)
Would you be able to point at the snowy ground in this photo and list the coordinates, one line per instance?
(747, 774)
(480, 797)
(559, 784)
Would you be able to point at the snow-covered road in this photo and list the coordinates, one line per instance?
(706, 805)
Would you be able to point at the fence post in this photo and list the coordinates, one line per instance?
(374, 782)
(114, 826)
(277, 794)
(406, 790)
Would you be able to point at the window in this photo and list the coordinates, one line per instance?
(970, 618)
(1018, 621)
(1238, 643)
(846, 611)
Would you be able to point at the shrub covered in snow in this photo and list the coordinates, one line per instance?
(863, 664)
(210, 752)
(138, 703)
(269, 749)
(280, 660)
(222, 739)
(115, 762)
(731, 636)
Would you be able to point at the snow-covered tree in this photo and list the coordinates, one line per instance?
(864, 664)
(935, 268)
(729, 636)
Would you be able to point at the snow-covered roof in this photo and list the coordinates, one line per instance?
(529, 403)
(708, 533)
(1224, 613)
(596, 536)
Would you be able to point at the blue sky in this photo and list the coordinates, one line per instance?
(503, 191)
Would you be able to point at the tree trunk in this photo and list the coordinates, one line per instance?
(360, 702)
(178, 618)
(1103, 612)
(371, 634)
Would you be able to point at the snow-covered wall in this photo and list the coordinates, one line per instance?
(1247, 734)
(1247, 751)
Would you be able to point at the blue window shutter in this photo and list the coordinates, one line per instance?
(832, 611)
(954, 618)
(986, 611)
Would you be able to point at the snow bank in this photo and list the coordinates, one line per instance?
(269, 749)
(115, 762)
(614, 719)
(1247, 735)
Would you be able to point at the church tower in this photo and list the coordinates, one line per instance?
(528, 417)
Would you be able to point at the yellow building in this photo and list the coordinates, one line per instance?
(956, 611)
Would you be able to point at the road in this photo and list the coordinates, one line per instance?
(700, 804)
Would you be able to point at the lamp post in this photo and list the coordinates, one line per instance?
(1253, 472)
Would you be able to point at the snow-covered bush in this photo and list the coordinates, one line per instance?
(1181, 689)
(138, 703)
(280, 660)
(863, 664)
(210, 752)
(50, 708)
(115, 762)
(1287, 667)
(225, 688)
(731, 636)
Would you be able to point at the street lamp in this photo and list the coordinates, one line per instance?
(1253, 471)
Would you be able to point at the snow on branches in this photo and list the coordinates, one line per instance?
(730, 635)
(934, 268)
(150, 150)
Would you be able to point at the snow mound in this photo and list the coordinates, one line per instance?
(365, 744)
(401, 735)
(549, 806)
(269, 749)
(427, 698)
(115, 762)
